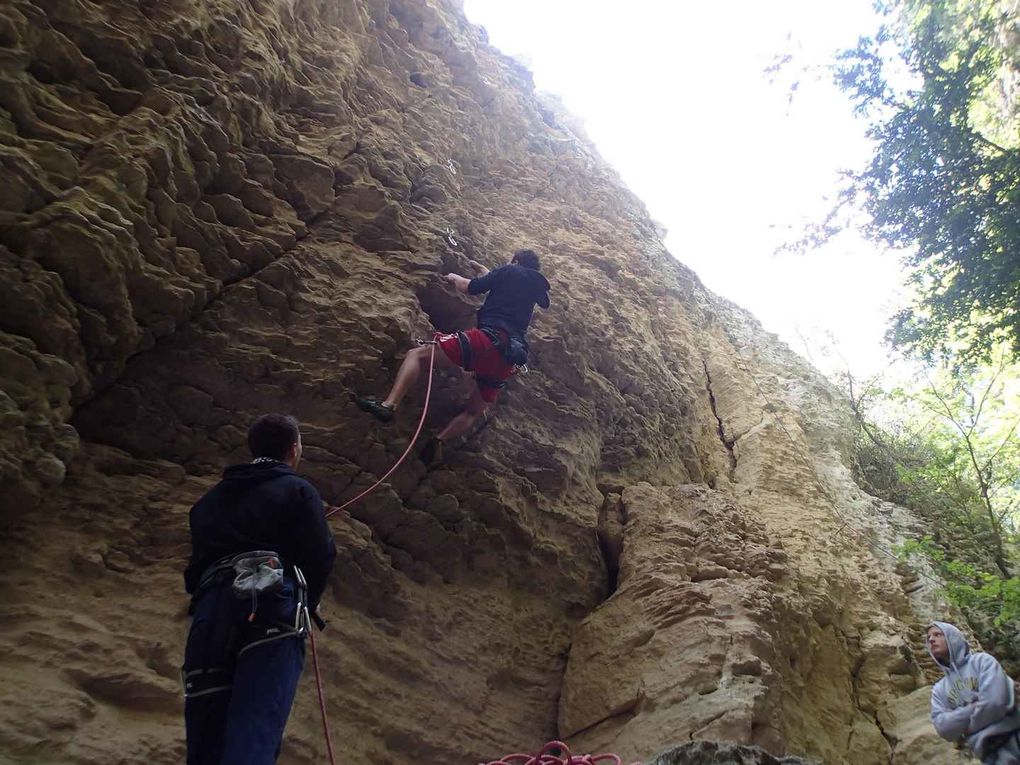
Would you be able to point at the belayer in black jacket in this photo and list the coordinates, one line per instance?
(261, 554)
(493, 351)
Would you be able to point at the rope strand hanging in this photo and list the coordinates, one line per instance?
(322, 698)
(414, 439)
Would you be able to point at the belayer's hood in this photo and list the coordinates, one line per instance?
(958, 648)
(539, 286)
(251, 473)
(538, 279)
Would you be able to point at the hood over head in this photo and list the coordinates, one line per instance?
(958, 648)
(538, 285)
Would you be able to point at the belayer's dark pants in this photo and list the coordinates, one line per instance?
(242, 679)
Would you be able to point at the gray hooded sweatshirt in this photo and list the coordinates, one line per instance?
(975, 698)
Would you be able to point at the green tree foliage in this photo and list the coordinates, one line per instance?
(971, 423)
(943, 183)
(995, 599)
(948, 448)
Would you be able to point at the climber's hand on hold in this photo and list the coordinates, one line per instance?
(482, 270)
(458, 282)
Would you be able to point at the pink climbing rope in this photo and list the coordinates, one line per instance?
(421, 424)
(331, 511)
(562, 756)
(322, 698)
(545, 756)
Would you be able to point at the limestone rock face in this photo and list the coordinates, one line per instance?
(215, 208)
(905, 721)
(683, 647)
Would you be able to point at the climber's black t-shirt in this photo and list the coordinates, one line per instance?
(513, 293)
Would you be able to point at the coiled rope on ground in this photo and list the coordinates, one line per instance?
(557, 753)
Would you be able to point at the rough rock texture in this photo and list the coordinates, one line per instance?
(214, 208)
(905, 721)
(686, 641)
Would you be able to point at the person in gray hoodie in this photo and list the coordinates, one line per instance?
(974, 703)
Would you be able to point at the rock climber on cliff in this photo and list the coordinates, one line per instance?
(493, 350)
(974, 702)
(261, 553)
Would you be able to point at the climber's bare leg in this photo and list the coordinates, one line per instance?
(415, 363)
(462, 423)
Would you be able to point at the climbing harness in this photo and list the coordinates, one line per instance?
(514, 346)
(250, 575)
(257, 573)
(421, 424)
(557, 753)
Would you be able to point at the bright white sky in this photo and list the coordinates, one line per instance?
(674, 96)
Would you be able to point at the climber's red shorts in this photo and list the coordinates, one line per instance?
(486, 361)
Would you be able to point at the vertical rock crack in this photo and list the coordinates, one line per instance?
(727, 442)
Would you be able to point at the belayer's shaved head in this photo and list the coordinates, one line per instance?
(273, 436)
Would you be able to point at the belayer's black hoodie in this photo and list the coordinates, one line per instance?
(262, 506)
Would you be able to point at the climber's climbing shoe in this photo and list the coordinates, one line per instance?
(431, 453)
(377, 409)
